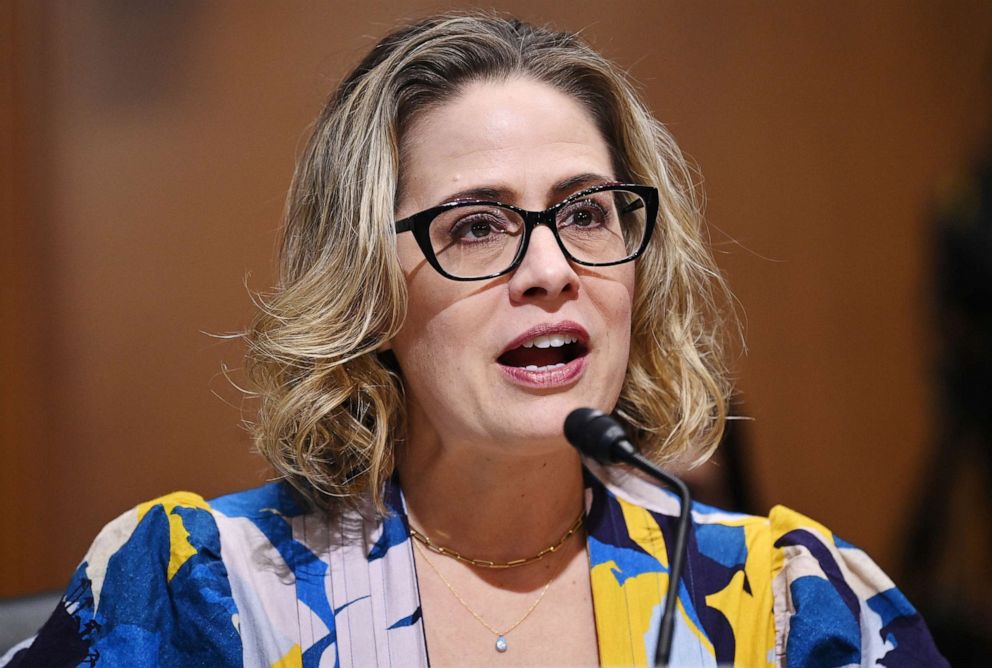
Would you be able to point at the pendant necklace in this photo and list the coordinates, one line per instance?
(501, 643)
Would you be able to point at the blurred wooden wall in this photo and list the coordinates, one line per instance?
(147, 147)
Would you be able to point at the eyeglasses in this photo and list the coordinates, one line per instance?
(475, 240)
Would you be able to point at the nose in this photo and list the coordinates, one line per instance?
(544, 275)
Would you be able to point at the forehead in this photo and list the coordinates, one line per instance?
(518, 135)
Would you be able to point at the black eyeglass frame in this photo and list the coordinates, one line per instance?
(419, 224)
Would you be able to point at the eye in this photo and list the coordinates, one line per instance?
(582, 214)
(478, 226)
(582, 218)
(479, 229)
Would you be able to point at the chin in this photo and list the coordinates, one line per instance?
(541, 420)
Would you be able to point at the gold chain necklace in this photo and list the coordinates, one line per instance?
(486, 563)
(501, 644)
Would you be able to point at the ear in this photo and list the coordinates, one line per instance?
(385, 346)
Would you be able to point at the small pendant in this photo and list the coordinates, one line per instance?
(501, 645)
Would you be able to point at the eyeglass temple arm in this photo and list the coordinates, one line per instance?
(633, 206)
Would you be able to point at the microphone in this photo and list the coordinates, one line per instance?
(600, 437)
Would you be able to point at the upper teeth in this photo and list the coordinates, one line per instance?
(550, 341)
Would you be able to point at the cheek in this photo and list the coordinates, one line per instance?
(424, 300)
(434, 335)
(615, 298)
(616, 301)
(416, 348)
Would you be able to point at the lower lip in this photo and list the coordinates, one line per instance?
(557, 377)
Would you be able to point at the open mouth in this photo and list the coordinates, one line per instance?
(544, 353)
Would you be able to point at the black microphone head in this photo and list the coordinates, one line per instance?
(594, 433)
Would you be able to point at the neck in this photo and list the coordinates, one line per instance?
(488, 504)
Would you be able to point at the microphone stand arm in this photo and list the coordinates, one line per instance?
(635, 459)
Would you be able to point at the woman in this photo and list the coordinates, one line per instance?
(486, 231)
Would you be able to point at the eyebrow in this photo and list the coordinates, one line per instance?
(562, 188)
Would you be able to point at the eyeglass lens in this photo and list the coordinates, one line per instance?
(482, 239)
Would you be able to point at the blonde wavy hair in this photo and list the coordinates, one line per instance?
(332, 408)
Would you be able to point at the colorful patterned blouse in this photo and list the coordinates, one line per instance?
(250, 579)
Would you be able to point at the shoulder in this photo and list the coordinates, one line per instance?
(780, 589)
(835, 606)
(154, 586)
(167, 549)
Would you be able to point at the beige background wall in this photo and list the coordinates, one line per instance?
(146, 149)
